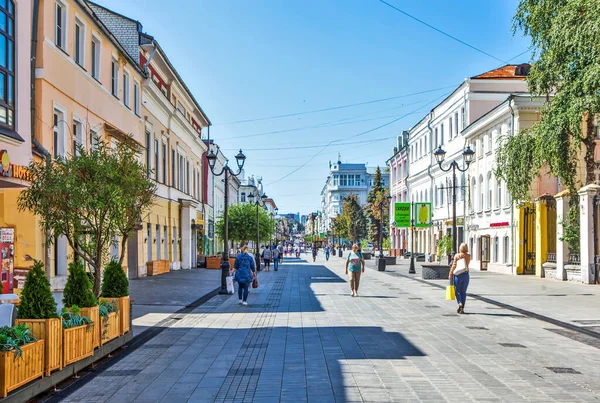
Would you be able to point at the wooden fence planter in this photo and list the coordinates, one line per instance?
(78, 343)
(15, 373)
(213, 262)
(110, 328)
(94, 314)
(156, 267)
(49, 330)
(124, 305)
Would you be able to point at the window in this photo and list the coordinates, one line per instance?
(335, 180)
(481, 144)
(156, 159)
(489, 189)
(126, 89)
(490, 141)
(343, 180)
(136, 98)
(114, 78)
(181, 108)
(456, 124)
(437, 140)
(350, 180)
(481, 192)
(148, 153)
(243, 197)
(7, 64)
(79, 42)
(173, 161)
(77, 137)
(164, 163)
(450, 132)
(93, 140)
(95, 58)
(442, 133)
(175, 243)
(187, 177)
(165, 242)
(506, 250)
(463, 117)
(357, 180)
(60, 19)
(498, 193)
(157, 240)
(495, 251)
(59, 134)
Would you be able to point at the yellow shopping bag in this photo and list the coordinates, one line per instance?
(450, 296)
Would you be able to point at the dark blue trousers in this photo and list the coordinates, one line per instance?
(461, 282)
(243, 288)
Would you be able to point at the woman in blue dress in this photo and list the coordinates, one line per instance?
(244, 272)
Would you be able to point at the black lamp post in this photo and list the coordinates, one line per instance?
(240, 159)
(276, 227)
(259, 200)
(411, 269)
(468, 156)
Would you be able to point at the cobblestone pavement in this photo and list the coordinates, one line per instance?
(304, 339)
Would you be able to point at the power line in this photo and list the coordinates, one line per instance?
(334, 107)
(441, 32)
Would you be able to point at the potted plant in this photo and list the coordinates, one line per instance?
(78, 333)
(38, 312)
(115, 286)
(364, 245)
(109, 317)
(21, 358)
(78, 292)
(444, 248)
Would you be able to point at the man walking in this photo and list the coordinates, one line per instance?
(267, 258)
(327, 250)
(275, 258)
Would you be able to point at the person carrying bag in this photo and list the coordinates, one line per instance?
(459, 276)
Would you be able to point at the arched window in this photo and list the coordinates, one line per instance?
(481, 193)
(472, 194)
(498, 193)
(490, 188)
(7, 64)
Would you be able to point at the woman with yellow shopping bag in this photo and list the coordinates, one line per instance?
(459, 276)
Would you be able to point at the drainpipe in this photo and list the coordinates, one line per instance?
(145, 68)
(34, 142)
(431, 176)
(512, 209)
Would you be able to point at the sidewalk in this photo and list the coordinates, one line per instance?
(574, 303)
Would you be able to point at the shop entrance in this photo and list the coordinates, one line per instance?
(484, 251)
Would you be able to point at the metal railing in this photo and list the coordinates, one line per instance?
(574, 258)
(551, 257)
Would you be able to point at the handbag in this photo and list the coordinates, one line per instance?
(255, 282)
(461, 266)
(450, 292)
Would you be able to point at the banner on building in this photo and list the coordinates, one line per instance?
(402, 215)
(422, 214)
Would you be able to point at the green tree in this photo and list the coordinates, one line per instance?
(78, 290)
(353, 217)
(242, 223)
(377, 197)
(91, 198)
(37, 301)
(114, 281)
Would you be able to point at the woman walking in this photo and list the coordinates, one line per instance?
(459, 274)
(356, 265)
(244, 272)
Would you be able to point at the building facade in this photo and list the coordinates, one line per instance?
(398, 175)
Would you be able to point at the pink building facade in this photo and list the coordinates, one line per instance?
(398, 164)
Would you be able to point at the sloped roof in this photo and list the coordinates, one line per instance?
(507, 72)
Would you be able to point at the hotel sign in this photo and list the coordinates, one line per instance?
(9, 170)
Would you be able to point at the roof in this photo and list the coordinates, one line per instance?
(507, 72)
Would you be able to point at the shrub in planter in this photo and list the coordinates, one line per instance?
(38, 312)
(78, 291)
(115, 286)
(109, 317)
(78, 331)
(21, 357)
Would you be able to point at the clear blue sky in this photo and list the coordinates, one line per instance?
(249, 59)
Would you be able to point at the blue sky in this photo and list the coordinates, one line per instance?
(253, 59)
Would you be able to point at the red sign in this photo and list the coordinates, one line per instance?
(500, 224)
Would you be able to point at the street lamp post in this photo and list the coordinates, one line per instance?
(258, 201)
(411, 269)
(468, 156)
(381, 204)
(240, 159)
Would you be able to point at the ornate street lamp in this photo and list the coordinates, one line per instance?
(240, 159)
(468, 156)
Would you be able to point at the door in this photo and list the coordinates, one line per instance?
(132, 255)
(528, 240)
(7, 250)
(484, 250)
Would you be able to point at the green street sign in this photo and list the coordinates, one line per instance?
(422, 214)
(402, 215)
(321, 235)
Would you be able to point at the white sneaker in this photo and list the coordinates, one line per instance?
(244, 303)
(241, 302)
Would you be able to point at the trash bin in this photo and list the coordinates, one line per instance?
(381, 264)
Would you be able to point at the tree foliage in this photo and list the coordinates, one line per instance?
(37, 301)
(565, 37)
(78, 290)
(353, 218)
(91, 198)
(242, 223)
(377, 209)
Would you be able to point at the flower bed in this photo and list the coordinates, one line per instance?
(49, 330)
(16, 371)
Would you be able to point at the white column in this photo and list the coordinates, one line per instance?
(188, 213)
(586, 227)
(562, 250)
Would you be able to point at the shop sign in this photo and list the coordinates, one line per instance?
(402, 215)
(459, 221)
(7, 235)
(422, 214)
(500, 224)
(9, 170)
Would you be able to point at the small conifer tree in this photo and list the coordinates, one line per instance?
(78, 290)
(37, 301)
(114, 281)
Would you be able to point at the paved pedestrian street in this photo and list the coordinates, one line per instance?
(303, 338)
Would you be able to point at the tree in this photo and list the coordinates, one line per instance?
(78, 290)
(91, 198)
(353, 217)
(37, 301)
(242, 223)
(377, 196)
(114, 281)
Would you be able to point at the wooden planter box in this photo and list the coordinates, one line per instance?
(15, 373)
(94, 314)
(78, 343)
(112, 330)
(49, 330)
(213, 262)
(124, 313)
(156, 267)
